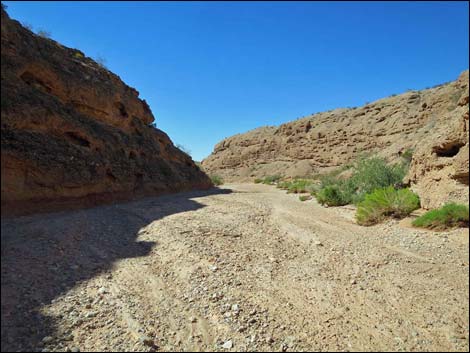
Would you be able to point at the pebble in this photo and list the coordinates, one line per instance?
(47, 339)
(228, 344)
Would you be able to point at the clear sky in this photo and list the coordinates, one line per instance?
(210, 70)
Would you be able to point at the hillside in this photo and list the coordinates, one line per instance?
(74, 135)
(432, 122)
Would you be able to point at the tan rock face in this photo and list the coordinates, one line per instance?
(439, 169)
(434, 122)
(73, 134)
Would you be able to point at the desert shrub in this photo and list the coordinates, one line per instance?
(271, 179)
(101, 62)
(216, 180)
(183, 149)
(44, 34)
(386, 202)
(27, 26)
(374, 173)
(407, 155)
(450, 215)
(304, 197)
(258, 181)
(78, 55)
(333, 195)
(368, 175)
(284, 185)
(299, 186)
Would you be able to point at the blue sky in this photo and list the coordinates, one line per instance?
(213, 69)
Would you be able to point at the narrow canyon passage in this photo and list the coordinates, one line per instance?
(244, 267)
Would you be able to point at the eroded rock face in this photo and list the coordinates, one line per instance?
(439, 168)
(434, 122)
(73, 134)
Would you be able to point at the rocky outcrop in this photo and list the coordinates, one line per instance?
(439, 168)
(434, 122)
(73, 134)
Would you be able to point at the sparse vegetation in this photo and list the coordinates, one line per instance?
(368, 175)
(407, 155)
(305, 197)
(27, 26)
(78, 55)
(101, 62)
(183, 149)
(374, 173)
(269, 180)
(331, 189)
(333, 195)
(386, 202)
(450, 215)
(43, 33)
(216, 180)
(298, 186)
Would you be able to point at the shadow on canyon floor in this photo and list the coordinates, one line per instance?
(45, 255)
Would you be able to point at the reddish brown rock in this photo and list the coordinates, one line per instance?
(73, 134)
(433, 122)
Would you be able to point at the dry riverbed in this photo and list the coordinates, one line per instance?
(243, 268)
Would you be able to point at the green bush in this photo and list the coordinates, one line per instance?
(386, 202)
(258, 181)
(374, 173)
(305, 197)
(368, 175)
(300, 186)
(450, 215)
(216, 180)
(333, 195)
(407, 155)
(271, 179)
(284, 185)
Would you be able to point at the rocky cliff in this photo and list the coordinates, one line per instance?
(433, 122)
(73, 134)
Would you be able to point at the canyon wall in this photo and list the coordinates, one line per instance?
(432, 122)
(74, 135)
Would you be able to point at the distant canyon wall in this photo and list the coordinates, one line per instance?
(433, 122)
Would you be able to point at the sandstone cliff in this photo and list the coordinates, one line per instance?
(73, 134)
(434, 122)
